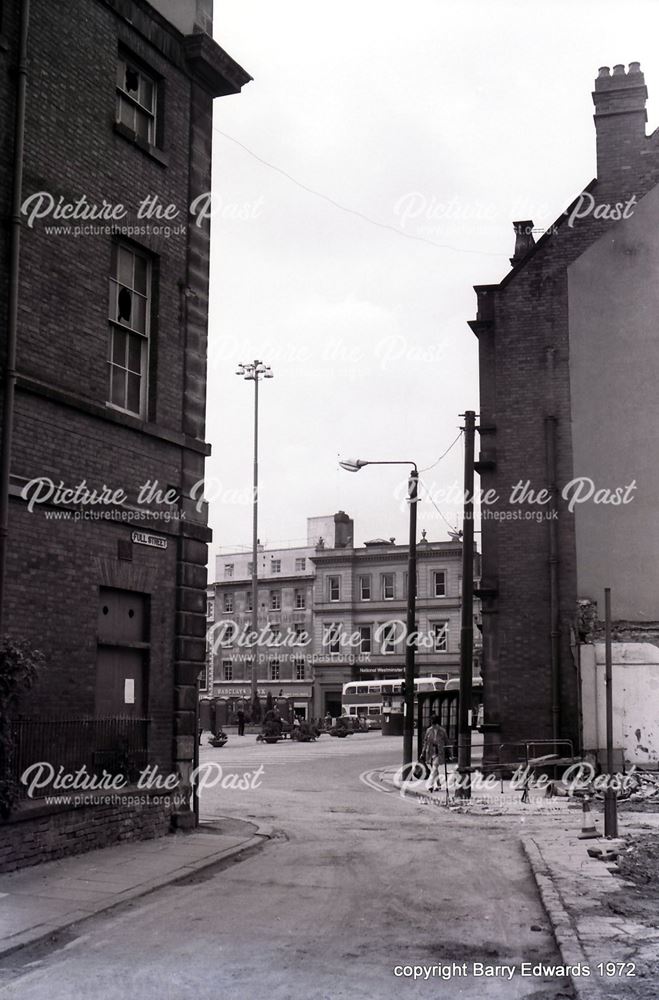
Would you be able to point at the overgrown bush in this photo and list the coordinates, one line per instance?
(19, 667)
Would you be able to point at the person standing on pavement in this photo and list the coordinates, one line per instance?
(241, 722)
(434, 751)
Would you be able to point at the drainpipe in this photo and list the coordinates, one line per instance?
(554, 633)
(9, 380)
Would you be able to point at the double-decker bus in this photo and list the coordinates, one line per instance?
(369, 700)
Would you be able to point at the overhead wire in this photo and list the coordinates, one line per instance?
(352, 211)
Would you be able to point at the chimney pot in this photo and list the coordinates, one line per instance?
(604, 71)
(620, 118)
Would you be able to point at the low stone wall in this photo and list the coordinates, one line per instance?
(37, 832)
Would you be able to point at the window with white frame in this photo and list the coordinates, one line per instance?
(203, 676)
(250, 567)
(248, 600)
(439, 583)
(364, 588)
(334, 588)
(228, 571)
(300, 564)
(332, 637)
(300, 600)
(389, 639)
(275, 565)
(210, 607)
(128, 348)
(228, 602)
(137, 100)
(227, 670)
(388, 586)
(440, 635)
(364, 638)
(275, 600)
(300, 670)
(274, 669)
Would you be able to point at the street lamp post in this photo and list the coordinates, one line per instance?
(354, 465)
(252, 372)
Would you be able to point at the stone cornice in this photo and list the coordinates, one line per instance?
(212, 67)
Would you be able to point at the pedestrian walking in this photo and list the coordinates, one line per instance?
(241, 722)
(434, 751)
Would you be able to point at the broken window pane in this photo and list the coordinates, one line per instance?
(125, 305)
(132, 81)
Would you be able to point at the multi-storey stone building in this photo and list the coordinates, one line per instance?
(568, 415)
(285, 649)
(111, 305)
(360, 602)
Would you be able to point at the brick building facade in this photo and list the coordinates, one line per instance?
(111, 357)
(567, 350)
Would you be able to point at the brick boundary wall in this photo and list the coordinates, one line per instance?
(36, 832)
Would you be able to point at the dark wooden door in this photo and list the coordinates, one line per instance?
(121, 660)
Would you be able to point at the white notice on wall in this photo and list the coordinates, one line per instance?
(129, 691)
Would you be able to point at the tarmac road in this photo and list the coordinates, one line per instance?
(355, 883)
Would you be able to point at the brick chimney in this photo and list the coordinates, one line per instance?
(620, 118)
(343, 530)
(523, 240)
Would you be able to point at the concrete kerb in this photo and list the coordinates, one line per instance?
(563, 927)
(75, 917)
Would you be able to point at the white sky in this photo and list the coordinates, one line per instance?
(480, 106)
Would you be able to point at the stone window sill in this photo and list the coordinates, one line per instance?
(151, 151)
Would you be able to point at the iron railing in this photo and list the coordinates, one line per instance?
(115, 745)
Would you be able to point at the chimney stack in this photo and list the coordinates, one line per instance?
(620, 118)
(523, 240)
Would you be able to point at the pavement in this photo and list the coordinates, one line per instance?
(585, 902)
(583, 897)
(40, 902)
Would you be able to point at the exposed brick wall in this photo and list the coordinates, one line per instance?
(63, 427)
(523, 333)
(38, 835)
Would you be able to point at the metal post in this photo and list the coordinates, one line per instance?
(610, 797)
(467, 626)
(255, 540)
(12, 311)
(195, 760)
(410, 637)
